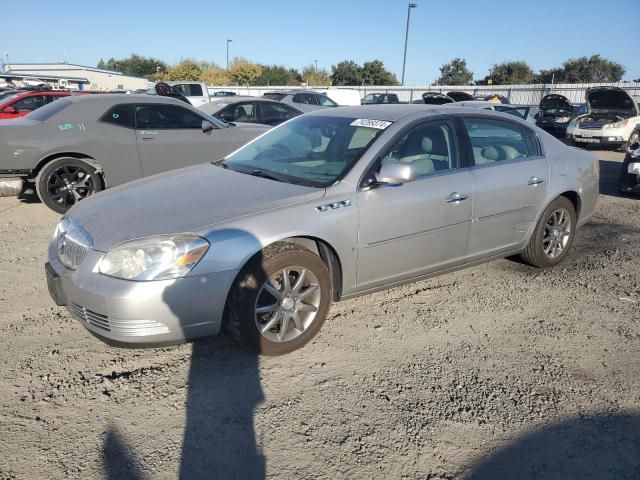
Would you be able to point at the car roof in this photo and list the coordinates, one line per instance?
(396, 112)
(116, 98)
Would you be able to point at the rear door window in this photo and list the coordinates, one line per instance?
(495, 140)
(189, 89)
(29, 104)
(274, 113)
(305, 99)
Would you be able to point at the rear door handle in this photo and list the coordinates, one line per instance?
(535, 181)
(456, 197)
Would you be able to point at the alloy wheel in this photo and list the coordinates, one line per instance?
(557, 232)
(69, 184)
(287, 304)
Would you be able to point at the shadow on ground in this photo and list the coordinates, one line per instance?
(597, 447)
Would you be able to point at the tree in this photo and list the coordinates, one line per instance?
(215, 76)
(510, 73)
(278, 75)
(455, 73)
(185, 70)
(101, 65)
(346, 72)
(593, 69)
(374, 73)
(135, 65)
(553, 75)
(316, 77)
(243, 72)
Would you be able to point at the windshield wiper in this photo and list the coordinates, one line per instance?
(267, 175)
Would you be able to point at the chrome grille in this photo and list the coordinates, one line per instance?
(73, 243)
(92, 318)
(125, 328)
(591, 124)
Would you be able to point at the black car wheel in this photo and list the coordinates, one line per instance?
(66, 181)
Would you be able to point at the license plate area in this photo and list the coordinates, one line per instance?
(587, 140)
(53, 284)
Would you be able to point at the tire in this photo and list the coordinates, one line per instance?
(65, 181)
(249, 293)
(540, 251)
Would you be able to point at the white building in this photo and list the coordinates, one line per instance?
(96, 78)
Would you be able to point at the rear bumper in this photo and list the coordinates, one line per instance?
(129, 313)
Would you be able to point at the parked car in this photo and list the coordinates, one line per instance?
(250, 110)
(328, 206)
(22, 103)
(612, 116)
(223, 93)
(196, 92)
(343, 96)
(459, 96)
(518, 111)
(630, 171)
(304, 100)
(436, 98)
(556, 111)
(98, 141)
(377, 98)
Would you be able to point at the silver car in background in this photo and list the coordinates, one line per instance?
(95, 142)
(327, 206)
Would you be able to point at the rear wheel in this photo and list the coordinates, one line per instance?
(66, 181)
(280, 299)
(553, 235)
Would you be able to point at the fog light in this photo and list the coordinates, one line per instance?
(615, 139)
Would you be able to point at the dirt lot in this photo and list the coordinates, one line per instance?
(499, 371)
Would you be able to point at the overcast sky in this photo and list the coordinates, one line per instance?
(544, 33)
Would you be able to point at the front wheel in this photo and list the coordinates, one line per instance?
(553, 235)
(65, 181)
(280, 299)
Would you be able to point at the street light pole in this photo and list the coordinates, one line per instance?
(406, 38)
(228, 42)
(7, 68)
(316, 62)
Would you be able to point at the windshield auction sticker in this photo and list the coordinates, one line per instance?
(366, 122)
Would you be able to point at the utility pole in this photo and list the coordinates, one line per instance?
(316, 62)
(406, 38)
(7, 67)
(228, 42)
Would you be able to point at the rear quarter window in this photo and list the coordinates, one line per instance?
(49, 110)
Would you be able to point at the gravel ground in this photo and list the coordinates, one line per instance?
(498, 371)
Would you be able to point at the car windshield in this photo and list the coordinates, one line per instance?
(314, 151)
(49, 110)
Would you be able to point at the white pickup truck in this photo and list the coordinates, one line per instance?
(196, 92)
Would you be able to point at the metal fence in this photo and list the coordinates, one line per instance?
(517, 94)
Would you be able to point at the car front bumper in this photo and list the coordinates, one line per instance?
(557, 129)
(629, 182)
(128, 313)
(605, 138)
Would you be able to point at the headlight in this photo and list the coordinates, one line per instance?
(154, 258)
(634, 168)
(562, 119)
(616, 124)
(573, 123)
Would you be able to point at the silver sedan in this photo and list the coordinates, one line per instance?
(327, 206)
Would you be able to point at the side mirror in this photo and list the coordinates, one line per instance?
(396, 173)
(10, 110)
(207, 126)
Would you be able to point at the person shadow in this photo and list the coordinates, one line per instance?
(223, 390)
(591, 447)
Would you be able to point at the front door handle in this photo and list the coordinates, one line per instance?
(535, 181)
(456, 197)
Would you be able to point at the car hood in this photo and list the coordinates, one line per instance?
(610, 99)
(185, 200)
(555, 102)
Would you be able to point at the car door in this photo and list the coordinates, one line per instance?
(510, 176)
(171, 136)
(420, 226)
